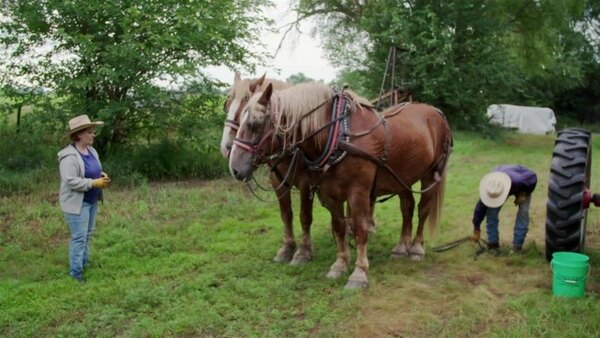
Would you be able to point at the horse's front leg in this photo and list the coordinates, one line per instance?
(288, 245)
(407, 207)
(338, 225)
(361, 219)
(349, 223)
(305, 250)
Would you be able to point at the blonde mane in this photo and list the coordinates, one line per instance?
(241, 88)
(297, 112)
(277, 85)
(300, 110)
(357, 100)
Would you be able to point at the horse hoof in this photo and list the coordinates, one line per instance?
(416, 257)
(300, 258)
(399, 252)
(335, 274)
(358, 279)
(354, 284)
(397, 255)
(284, 255)
(417, 253)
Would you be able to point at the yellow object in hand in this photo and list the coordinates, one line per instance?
(520, 198)
(101, 182)
(476, 235)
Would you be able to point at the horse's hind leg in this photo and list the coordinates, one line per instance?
(417, 249)
(407, 206)
(305, 251)
(285, 252)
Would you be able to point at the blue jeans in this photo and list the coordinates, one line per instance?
(82, 227)
(521, 223)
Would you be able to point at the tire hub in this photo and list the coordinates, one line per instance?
(589, 198)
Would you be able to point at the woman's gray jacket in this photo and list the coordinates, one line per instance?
(72, 181)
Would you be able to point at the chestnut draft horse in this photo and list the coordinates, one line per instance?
(361, 154)
(237, 98)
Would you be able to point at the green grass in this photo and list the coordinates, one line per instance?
(193, 258)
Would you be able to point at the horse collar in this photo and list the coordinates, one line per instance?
(338, 132)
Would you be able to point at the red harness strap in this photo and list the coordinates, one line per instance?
(232, 124)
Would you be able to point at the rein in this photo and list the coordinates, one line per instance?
(290, 175)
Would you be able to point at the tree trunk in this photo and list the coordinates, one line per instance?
(19, 118)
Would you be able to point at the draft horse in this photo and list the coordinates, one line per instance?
(280, 174)
(357, 154)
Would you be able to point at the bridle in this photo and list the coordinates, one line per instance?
(232, 124)
(254, 147)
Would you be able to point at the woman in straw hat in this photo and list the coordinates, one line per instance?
(494, 189)
(81, 184)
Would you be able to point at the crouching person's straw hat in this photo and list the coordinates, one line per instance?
(494, 188)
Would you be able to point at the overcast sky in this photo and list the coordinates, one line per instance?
(300, 53)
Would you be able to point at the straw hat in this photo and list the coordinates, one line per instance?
(494, 188)
(79, 123)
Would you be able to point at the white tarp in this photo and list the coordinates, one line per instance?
(529, 120)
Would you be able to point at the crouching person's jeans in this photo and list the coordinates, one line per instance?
(521, 223)
(82, 227)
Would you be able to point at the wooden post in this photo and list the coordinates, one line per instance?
(19, 118)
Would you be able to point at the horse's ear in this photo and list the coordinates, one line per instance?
(261, 80)
(237, 77)
(265, 97)
(257, 82)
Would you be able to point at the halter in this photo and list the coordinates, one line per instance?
(232, 124)
(252, 147)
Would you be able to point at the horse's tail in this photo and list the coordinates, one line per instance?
(435, 211)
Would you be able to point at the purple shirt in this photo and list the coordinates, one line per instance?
(93, 171)
(522, 180)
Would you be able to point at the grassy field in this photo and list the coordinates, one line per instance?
(194, 259)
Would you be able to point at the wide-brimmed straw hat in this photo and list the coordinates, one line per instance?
(494, 188)
(79, 123)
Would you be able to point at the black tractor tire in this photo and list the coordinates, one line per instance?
(566, 216)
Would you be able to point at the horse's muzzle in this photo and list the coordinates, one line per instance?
(243, 176)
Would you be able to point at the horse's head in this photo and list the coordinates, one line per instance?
(253, 136)
(238, 96)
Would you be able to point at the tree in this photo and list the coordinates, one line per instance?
(108, 58)
(462, 55)
(14, 99)
(298, 78)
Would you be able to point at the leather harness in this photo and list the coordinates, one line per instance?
(338, 146)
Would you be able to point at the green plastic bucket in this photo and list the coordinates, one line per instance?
(570, 270)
